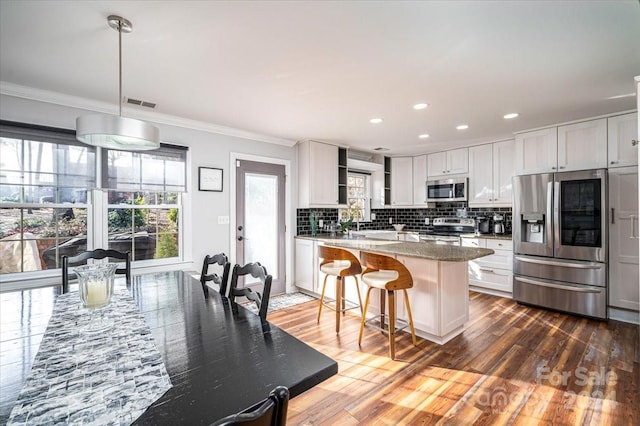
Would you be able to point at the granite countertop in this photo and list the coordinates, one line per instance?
(506, 237)
(413, 249)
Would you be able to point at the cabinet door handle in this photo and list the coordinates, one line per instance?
(553, 168)
(634, 219)
(614, 162)
(562, 167)
(486, 270)
(634, 142)
(613, 216)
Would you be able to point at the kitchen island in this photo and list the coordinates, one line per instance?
(440, 294)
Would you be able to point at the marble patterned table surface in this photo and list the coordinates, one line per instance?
(103, 378)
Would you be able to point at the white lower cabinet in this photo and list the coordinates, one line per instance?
(491, 274)
(304, 274)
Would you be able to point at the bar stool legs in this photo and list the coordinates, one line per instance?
(392, 318)
(340, 304)
(388, 275)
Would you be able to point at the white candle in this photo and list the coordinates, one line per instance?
(96, 293)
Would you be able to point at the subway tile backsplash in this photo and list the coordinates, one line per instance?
(412, 217)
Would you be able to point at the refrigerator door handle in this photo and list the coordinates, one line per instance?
(551, 220)
(613, 216)
(562, 264)
(553, 199)
(561, 287)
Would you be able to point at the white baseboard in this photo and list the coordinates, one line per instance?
(491, 292)
(624, 315)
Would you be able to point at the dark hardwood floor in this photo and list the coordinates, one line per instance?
(513, 365)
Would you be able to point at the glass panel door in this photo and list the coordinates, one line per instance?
(260, 219)
(580, 214)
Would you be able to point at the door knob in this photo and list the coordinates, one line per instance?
(240, 238)
(240, 228)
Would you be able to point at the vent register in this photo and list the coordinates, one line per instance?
(138, 102)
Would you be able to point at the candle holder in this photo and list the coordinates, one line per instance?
(95, 285)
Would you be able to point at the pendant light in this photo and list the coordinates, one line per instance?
(116, 131)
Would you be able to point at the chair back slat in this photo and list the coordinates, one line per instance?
(269, 412)
(256, 270)
(97, 254)
(219, 259)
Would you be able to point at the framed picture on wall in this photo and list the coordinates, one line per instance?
(209, 179)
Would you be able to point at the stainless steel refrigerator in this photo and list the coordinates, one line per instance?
(560, 241)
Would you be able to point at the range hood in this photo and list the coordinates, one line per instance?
(362, 161)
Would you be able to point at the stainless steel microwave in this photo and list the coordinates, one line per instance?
(447, 190)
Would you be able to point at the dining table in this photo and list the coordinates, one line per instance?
(220, 357)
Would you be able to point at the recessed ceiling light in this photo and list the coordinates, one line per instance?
(462, 127)
(423, 136)
(420, 106)
(375, 121)
(511, 115)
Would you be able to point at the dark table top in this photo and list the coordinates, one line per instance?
(221, 357)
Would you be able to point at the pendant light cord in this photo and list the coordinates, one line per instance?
(120, 68)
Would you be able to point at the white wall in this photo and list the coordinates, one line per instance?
(205, 149)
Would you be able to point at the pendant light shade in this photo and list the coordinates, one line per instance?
(116, 131)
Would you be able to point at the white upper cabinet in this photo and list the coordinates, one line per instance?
(480, 175)
(536, 152)
(448, 163)
(582, 146)
(491, 168)
(402, 181)
(579, 146)
(317, 174)
(420, 180)
(622, 130)
(503, 170)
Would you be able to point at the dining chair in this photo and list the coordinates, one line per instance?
(219, 259)
(95, 254)
(270, 412)
(256, 270)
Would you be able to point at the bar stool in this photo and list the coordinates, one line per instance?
(388, 275)
(338, 263)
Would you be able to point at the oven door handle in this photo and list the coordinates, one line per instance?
(564, 265)
(561, 287)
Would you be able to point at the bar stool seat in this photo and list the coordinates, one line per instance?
(338, 263)
(387, 275)
(335, 267)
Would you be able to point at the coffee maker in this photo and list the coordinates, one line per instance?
(498, 224)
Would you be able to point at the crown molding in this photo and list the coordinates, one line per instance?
(25, 92)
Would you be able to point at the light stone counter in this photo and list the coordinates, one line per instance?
(422, 250)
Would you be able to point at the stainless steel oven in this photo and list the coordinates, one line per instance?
(447, 190)
(559, 239)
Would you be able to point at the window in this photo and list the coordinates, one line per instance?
(50, 204)
(144, 201)
(44, 180)
(358, 198)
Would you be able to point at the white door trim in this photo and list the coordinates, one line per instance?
(289, 217)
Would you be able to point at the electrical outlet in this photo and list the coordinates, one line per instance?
(390, 221)
(373, 216)
(223, 220)
(426, 220)
(321, 223)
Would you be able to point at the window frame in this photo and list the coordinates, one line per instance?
(343, 213)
